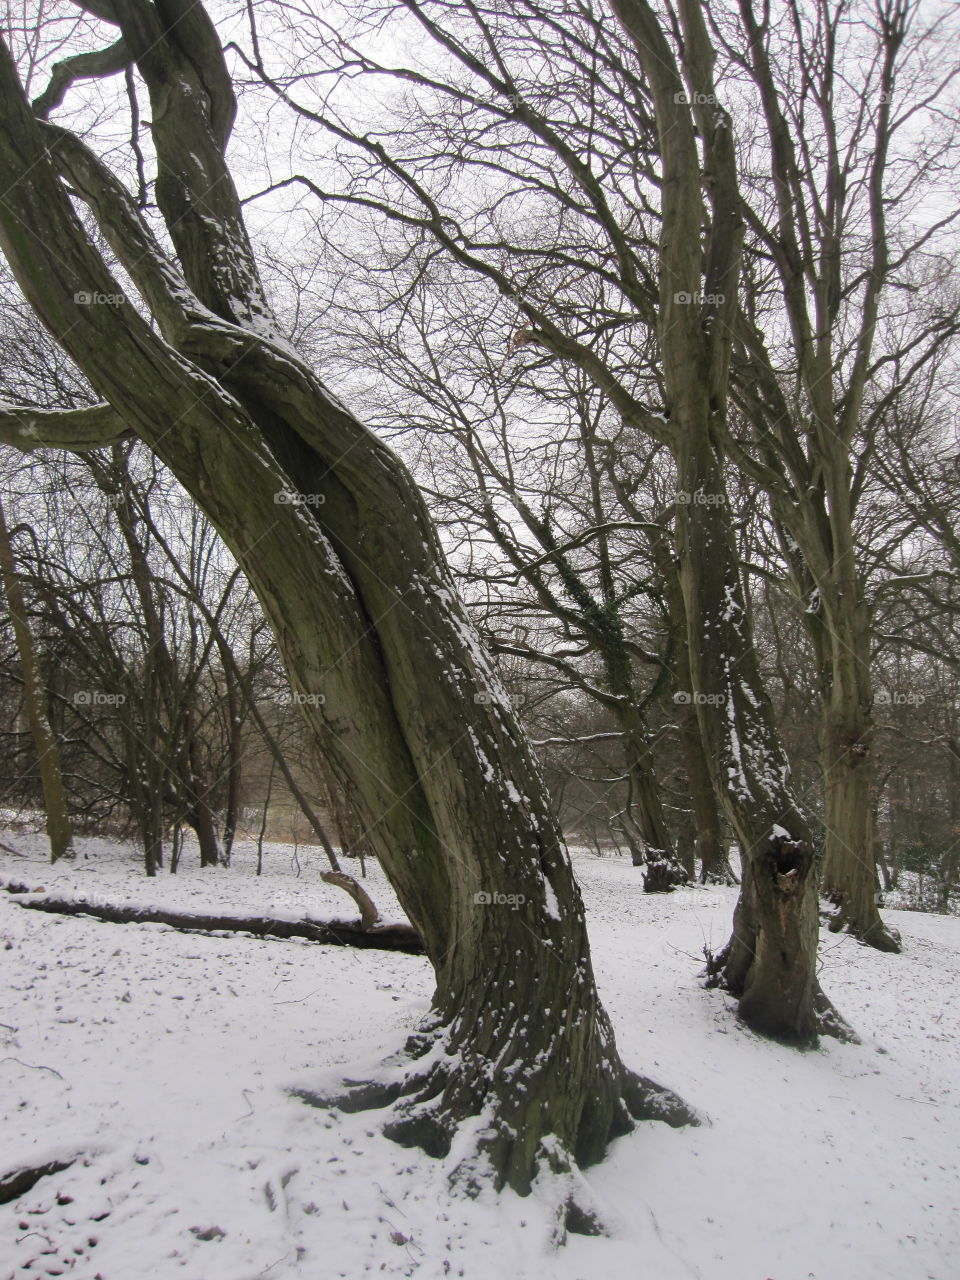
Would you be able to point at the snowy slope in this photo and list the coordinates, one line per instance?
(166, 1057)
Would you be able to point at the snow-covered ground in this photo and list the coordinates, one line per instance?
(166, 1058)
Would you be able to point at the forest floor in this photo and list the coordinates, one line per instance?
(163, 1060)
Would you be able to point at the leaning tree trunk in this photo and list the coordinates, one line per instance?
(59, 830)
(336, 542)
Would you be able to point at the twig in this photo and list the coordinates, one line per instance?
(33, 1066)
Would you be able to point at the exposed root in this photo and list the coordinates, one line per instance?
(574, 1210)
(722, 874)
(504, 1127)
(369, 1095)
(829, 1022)
(647, 1100)
(879, 936)
(832, 1023)
(874, 933)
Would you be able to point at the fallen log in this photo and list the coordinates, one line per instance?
(17, 1183)
(343, 933)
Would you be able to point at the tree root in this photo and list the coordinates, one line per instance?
(832, 1023)
(829, 1022)
(393, 937)
(647, 1100)
(881, 937)
(876, 934)
(493, 1129)
(563, 1186)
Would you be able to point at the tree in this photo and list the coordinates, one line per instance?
(147, 700)
(770, 960)
(335, 540)
(59, 830)
(831, 333)
(588, 182)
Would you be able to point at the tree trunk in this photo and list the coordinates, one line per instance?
(714, 865)
(850, 879)
(850, 871)
(711, 852)
(199, 814)
(651, 844)
(770, 961)
(59, 831)
(336, 541)
(949, 868)
(234, 693)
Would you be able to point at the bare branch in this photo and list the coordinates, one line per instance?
(82, 66)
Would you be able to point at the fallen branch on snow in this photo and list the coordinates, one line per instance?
(385, 937)
(17, 1183)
